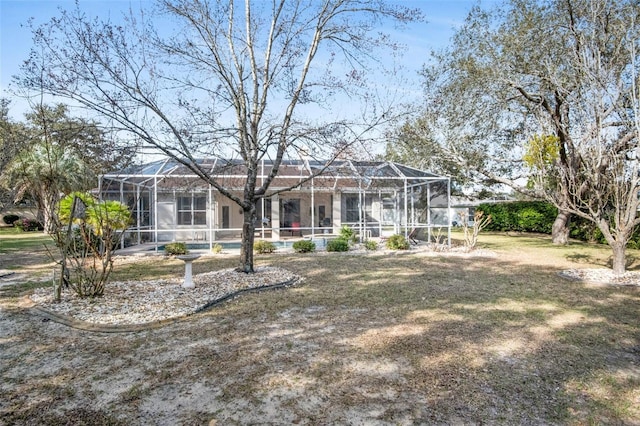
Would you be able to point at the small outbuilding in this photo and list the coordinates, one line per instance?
(375, 198)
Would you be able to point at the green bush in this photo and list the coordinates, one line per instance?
(370, 245)
(304, 246)
(538, 216)
(10, 218)
(28, 225)
(397, 242)
(520, 216)
(339, 244)
(263, 247)
(175, 249)
(217, 248)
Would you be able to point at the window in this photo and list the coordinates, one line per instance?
(225, 217)
(352, 213)
(290, 213)
(352, 208)
(192, 210)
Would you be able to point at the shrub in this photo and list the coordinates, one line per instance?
(28, 225)
(370, 245)
(339, 244)
(520, 216)
(217, 248)
(397, 242)
(263, 247)
(348, 234)
(304, 246)
(175, 249)
(10, 218)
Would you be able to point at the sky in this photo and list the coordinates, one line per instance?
(16, 39)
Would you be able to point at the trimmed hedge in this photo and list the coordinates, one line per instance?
(538, 216)
(520, 216)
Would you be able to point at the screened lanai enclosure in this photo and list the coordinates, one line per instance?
(376, 199)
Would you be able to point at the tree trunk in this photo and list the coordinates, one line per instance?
(246, 248)
(619, 257)
(560, 228)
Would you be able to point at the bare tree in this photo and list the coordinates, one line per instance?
(230, 80)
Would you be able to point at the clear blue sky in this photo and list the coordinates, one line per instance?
(15, 35)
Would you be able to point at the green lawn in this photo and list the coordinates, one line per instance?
(13, 240)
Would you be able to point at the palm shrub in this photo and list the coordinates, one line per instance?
(87, 234)
(348, 234)
(397, 242)
(304, 246)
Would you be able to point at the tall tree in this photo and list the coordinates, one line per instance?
(597, 170)
(12, 139)
(566, 68)
(99, 150)
(225, 78)
(43, 172)
(52, 154)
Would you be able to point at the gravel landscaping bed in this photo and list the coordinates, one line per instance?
(141, 302)
(603, 276)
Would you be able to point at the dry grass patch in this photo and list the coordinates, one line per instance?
(375, 339)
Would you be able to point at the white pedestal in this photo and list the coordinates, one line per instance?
(188, 260)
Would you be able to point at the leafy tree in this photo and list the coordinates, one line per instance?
(12, 138)
(53, 154)
(98, 149)
(234, 81)
(564, 68)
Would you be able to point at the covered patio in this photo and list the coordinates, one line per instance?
(375, 198)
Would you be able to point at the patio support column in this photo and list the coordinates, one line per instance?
(155, 211)
(413, 209)
(121, 201)
(360, 209)
(406, 210)
(380, 213)
(336, 211)
(429, 211)
(211, 217)
(449, 210)
(275, 217)
(313, 210)
(138, 215)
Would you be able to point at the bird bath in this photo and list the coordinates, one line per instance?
(188, 260)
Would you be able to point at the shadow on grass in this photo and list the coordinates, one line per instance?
(389, 339)
(459, 339)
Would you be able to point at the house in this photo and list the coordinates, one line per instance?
(376, 198)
